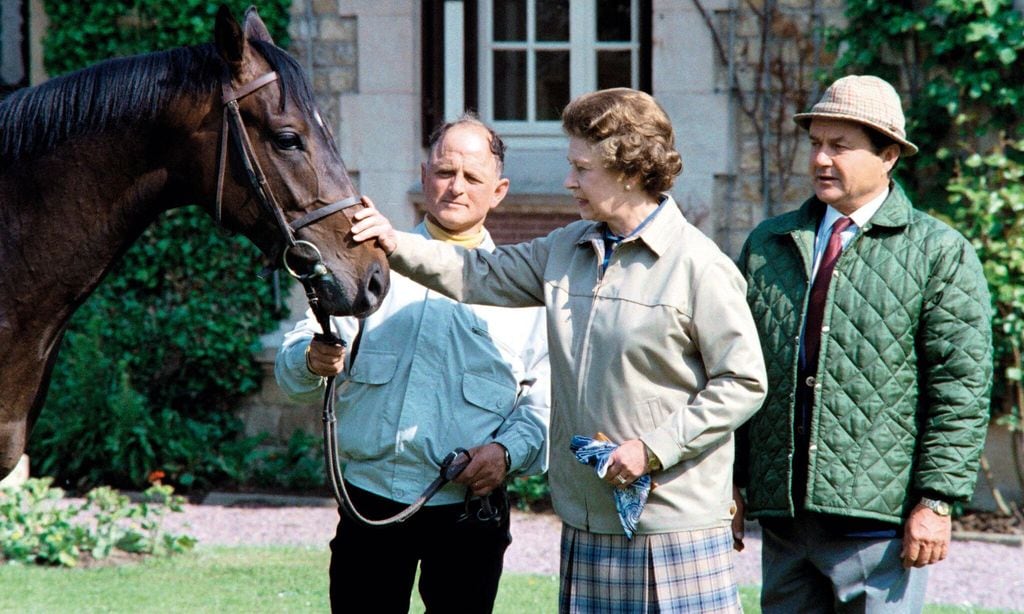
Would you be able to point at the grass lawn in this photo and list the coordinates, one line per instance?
(279, 579)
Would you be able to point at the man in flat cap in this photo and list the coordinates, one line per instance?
(874, 318)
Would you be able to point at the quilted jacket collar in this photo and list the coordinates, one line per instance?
(894, 213)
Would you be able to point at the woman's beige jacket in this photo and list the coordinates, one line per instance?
(660, 347)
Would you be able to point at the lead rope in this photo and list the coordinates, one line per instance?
(452, 465)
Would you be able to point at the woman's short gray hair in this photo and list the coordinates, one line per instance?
(631, 130)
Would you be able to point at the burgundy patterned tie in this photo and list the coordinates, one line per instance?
(816, 302)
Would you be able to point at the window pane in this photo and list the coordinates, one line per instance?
(614, 69)
(510, 20)
(509, 85)
(552, 84)
(613, 20)
(553, 20)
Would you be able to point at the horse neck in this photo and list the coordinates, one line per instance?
(69, 215)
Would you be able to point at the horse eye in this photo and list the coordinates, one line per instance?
(287, 140)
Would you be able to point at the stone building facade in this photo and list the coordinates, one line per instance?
(729, 74)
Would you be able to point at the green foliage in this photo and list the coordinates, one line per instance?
(37, 527)
(958, 64)
(157, 358)
(529, 491)
(299, 466)
(987, 198)
(82, 33)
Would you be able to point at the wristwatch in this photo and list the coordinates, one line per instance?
(653, 462)
(937, 505)
(508, 458)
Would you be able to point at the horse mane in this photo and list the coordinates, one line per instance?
(124, 91)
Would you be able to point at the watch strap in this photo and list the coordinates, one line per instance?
(940, 507)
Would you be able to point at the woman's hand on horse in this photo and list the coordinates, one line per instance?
(325, 359)
(486, 471)
(371, 224)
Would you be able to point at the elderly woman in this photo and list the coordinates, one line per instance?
(651, 343)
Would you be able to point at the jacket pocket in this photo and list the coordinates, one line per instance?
(375, 368)
(487, 404)
(488, 394)
(360, 412)
(652, 414)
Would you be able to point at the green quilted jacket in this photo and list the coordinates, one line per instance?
(901, 402)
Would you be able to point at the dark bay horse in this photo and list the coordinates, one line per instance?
(90, 159)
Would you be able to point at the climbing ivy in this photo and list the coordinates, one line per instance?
(155, 361)
(958, 65)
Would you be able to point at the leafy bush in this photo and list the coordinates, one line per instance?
(36, 527)
(82, 33)
(530, 491)
(987, 194)
(958, 64)
(157, 358)
(299, 466)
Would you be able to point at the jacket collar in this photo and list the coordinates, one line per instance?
(658, 235)
(894, 213)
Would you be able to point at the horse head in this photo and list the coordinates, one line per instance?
(280, 179)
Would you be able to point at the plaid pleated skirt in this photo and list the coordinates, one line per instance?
(687, 571)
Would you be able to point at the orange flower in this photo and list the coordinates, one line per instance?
(155, 476)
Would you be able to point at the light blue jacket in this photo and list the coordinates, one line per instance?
(430, 375)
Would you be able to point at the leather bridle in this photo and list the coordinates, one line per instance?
(232, 123)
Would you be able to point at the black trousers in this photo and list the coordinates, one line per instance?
(460, 560)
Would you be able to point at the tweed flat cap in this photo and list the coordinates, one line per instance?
(866, 100)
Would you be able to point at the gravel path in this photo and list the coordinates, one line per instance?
(975, 574)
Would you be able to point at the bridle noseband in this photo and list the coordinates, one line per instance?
(232, 123)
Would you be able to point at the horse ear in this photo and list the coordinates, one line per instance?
(229, 38)
(255, 29)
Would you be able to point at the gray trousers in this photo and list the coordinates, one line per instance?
(807, 568)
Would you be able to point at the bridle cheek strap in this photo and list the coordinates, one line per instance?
(232, 123)
(231, 95)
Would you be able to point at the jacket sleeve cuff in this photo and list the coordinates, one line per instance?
(516, 452)
(295, 363)
(664, 446)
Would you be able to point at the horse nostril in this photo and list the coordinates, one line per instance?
(375, 283)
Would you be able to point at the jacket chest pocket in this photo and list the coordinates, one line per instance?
(361, 417)
(374, 367)
(488, 404)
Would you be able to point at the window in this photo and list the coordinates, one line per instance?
(519, 62)
(536, 55)
(13, 46)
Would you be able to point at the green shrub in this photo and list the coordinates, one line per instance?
(37, 527)
(987, 198)
(298, 466)
(530, 491)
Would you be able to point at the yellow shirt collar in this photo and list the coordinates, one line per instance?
(440, 234)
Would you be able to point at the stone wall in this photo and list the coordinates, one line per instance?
(776, 51)
(327, 45)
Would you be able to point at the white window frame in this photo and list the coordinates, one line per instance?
(583, 47)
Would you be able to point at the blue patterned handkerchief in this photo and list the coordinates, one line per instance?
(629, 501)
